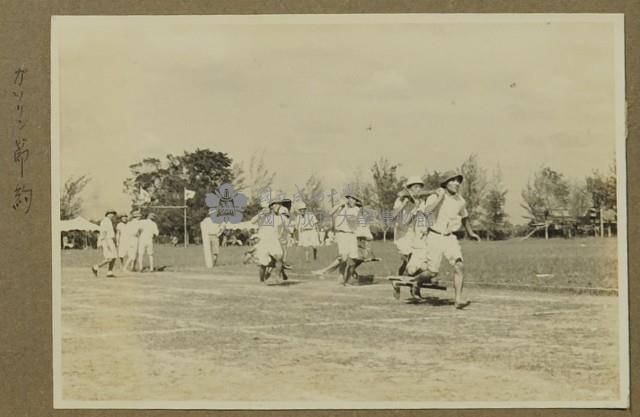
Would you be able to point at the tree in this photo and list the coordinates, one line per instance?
(202, 171)
(70, 200)
(473, 186)
(432, 180)
(494, 219)
(385, 186)
(311, 193)
(603, 189)
(255, 182)
(548, 191)
(579, 199)
(362, 188)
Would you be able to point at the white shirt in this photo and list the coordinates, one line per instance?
(209, 227)
(148, 229)
(106, 229)
(363, 230)
(120, 228)
(307, 222)
(270, 226)
(131, 229)
(448, 217)
(404, 221)
(347, 219)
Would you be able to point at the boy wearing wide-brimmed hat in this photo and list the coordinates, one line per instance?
(286, 236)
(268, 249)
(403, 213)
(107, 242)
(422, 221)
(450, 213)
(346, 223)
(308, 237)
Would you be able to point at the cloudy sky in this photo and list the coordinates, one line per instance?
(327, 97)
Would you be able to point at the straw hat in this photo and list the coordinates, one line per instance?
(450, 175)
(414, 179)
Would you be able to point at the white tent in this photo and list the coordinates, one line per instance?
(79, 223)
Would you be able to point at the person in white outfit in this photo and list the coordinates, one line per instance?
(449, 212)
(403, 212)
(268, 250)
(148, 230)
(121, 240)
(346, 216)
(211, 232)
(130, 235)
(106, 240)
(308, 235)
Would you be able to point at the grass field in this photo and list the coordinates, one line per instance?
(577, 263)
(189, 333)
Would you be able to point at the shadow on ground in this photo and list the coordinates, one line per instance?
(431, 301)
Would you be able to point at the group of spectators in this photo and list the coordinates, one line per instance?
(130, 239)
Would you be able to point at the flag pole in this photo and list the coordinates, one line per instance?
(184, 198)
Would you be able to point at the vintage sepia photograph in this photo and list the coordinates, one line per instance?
(391, 211)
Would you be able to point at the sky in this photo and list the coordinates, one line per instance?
(329, 96)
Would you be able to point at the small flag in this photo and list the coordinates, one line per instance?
(188, 194)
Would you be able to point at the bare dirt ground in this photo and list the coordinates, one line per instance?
(220, 336)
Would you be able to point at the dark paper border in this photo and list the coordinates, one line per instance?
(26, 384)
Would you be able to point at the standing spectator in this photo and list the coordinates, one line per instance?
(148, 230)
(106, 240)
(210, 239)
(131, 235)
(121, 240)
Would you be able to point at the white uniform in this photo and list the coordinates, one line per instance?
(130, 235)
(210, 239)
(270, 231)
(307, 232)
(441, 241)
(346, 225)
(363, 230)
(106, 239)
(148, 229)
(404, 232)
(122, 241)
(421, 224)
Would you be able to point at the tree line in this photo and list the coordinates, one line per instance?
(547, 192)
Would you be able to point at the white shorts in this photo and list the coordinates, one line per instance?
(261, 257)
(131, 249)
(309, 238)
(265, 249)
(404, 243)
(122, 248)
(347, 245)
(109, 249)
(439, 246)
(418, 261)
(145, 247)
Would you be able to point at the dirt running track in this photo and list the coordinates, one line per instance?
(222, 337)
